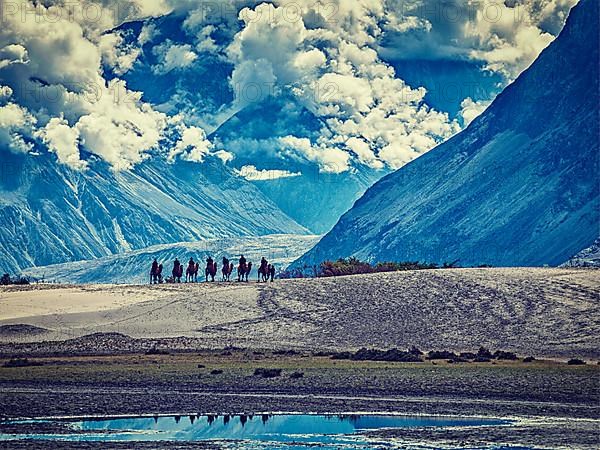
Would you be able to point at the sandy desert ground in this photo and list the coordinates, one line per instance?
(89, 344)
(542, 312)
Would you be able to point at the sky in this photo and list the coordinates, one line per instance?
(362, 84)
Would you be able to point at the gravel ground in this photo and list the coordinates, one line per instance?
(557, 406)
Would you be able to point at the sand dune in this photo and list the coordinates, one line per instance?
(545, 312)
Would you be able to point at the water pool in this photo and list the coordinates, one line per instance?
(247, 431)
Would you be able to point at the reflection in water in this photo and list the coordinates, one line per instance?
(327, 431)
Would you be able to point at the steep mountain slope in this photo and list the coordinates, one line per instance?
(133, 267)
(520, 186)
(51, 214)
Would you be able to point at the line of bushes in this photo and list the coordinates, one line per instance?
(354, 266)
(6, 279)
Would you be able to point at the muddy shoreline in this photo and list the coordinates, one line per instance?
(555, 405)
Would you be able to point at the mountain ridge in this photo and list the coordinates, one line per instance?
(52, 214)
(518, 187)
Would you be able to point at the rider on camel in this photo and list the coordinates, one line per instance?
(264, 269)
(242, 261)
(177, 270)
(154, 272)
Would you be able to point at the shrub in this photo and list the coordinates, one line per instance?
(576, 362)
(322, 354)
(529, 359)
(354, 266)
(341, 355)
(157, 351)
(452, 265)
(5, 280)
(484, 353)
(444, 354)
(507, 356)
(21, 362)
(415, 351)
(267, 373)
(392, 355)
(297, 375)
(458, 359)
(286, 353)
(216, 372)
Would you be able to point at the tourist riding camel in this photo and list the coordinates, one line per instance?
(227, 269)
(263, 270)
(211, 269)
(154, 272)
(191, 274)
(244, 269)
(177, 271)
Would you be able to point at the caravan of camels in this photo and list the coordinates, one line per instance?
(266, 271)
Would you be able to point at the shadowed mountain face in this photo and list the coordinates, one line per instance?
(520, 186)
(51, 214)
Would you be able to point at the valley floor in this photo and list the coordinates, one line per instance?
(542, 312)
(91, 344)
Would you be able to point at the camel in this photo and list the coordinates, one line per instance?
(227, 270)
(263, 273)
(191, 273)
(177, 272)
(244, 271)
(211, 270)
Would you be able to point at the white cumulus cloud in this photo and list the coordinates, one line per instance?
(52, 73)
(63, 140)
(193, 145)
(251, 173)
(173, 56)
(470, 109)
